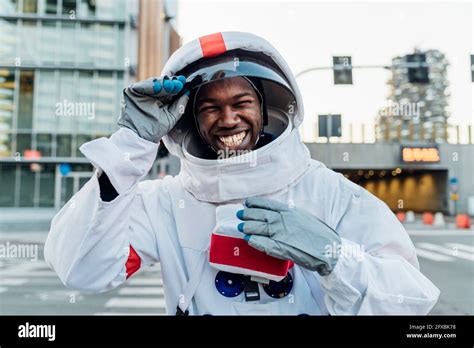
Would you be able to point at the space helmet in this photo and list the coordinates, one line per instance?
(277, 99)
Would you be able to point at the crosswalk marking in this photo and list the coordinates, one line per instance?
(128, 313)
(460, 246)
(142, 295)
(128, 302)
(32, 273)
(140, 291)
(450, 233)
(446, 250)
(145, 281)
(26, 267)
(12, 281)
(432, 256)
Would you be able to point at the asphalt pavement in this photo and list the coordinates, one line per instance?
(446, 257)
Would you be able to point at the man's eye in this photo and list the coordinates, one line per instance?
(208, 109)
(243, 103)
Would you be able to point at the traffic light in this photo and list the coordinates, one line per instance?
(329, 126)
(342, 68)
(417, 68)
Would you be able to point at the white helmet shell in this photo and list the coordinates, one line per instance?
(214, 45)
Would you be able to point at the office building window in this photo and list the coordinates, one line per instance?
(87, 8)
(7, 178)
(28, 43)
(23, 142)
(106, 55)
(27, 186)
(64, 144)
(9, 7)
(50, 37)
(7, 86)
(46, 182)
(106, 100)
(120, 46)
(85, 95)
(50, 42)
(6, 144)
(9, 35)
(111, 9)
(44, 144)
(25, 103)
(69, 7)
(30, 6)
(87, 38)
(51, 7)
(46, 105)
(65, 114)
(68, 42)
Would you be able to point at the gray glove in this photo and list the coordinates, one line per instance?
(290, 234)
(147, 110)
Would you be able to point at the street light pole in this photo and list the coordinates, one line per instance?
(387, 67)
(353, 67)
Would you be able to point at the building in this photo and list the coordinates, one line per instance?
(63, 66)
(417, 107)
(406, 177)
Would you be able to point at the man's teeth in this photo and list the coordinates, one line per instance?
(233, 140)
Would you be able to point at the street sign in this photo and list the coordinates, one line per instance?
(454, 197)
(453, 185)
(424, 154)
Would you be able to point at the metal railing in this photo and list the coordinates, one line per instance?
(366, 133)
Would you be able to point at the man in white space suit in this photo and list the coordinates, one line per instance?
(308, 241)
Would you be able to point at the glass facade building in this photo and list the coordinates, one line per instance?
(63, 66)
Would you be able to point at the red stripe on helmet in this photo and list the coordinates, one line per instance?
(212, 45)
(133, 263)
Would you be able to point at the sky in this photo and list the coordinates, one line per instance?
(309, 33)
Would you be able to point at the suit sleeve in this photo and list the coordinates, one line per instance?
(95, 245)
(378, 270)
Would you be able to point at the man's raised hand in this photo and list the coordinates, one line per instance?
(147, 110)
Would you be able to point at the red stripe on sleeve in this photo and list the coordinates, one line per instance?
(212, 45)
(133, 263)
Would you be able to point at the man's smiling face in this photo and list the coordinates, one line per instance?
(228, 114)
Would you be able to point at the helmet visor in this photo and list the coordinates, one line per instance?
(275, 88)
(233, 68)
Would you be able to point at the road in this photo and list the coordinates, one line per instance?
(29, 287)
(447, 258)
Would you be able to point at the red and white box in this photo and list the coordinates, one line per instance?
(230, 252)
